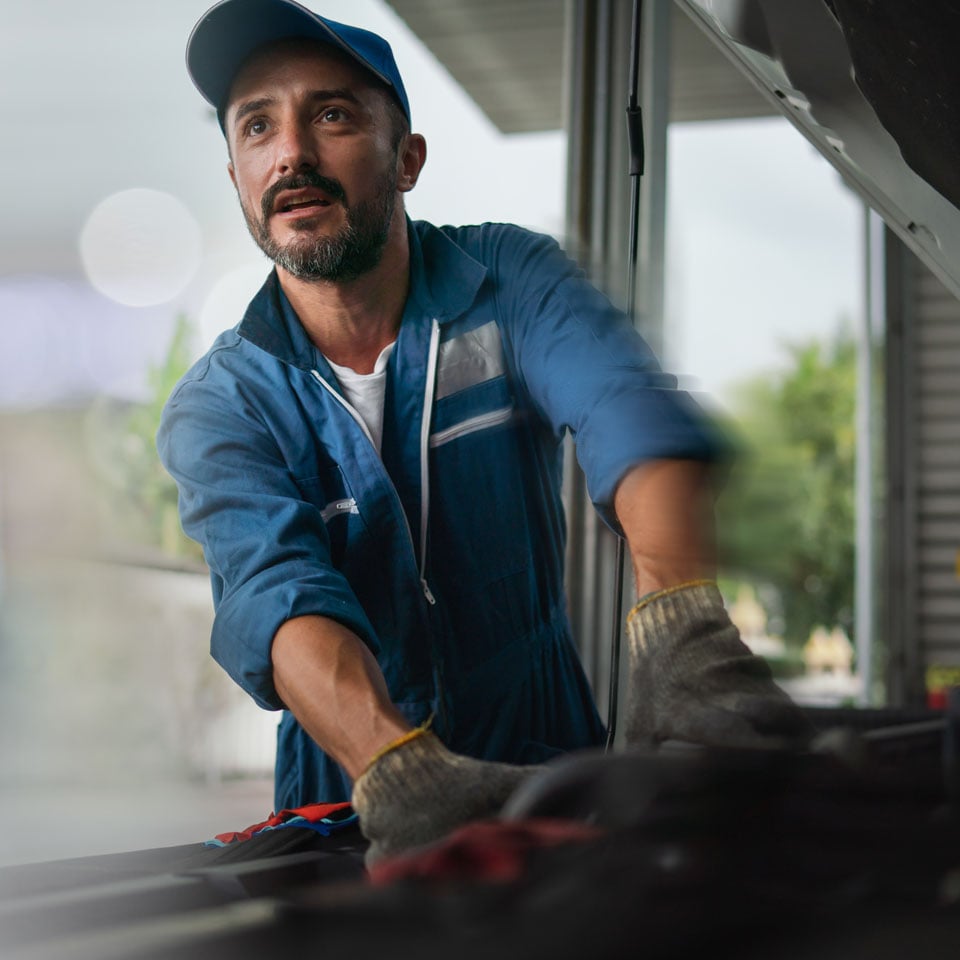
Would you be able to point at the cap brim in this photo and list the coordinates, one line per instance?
(231, 30)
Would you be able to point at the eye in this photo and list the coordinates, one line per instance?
(333, 115)
(255, 127)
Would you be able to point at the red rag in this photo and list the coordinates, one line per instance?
(492, 850)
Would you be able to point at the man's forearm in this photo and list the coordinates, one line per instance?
(666, 510)
(332, 684)
(691, 676)
(413, 794)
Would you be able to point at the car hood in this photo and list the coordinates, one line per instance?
(875, 86)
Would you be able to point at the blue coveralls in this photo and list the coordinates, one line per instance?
(445, 553)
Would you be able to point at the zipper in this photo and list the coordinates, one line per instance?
(336, 507)
(479, 422)
(428, 394)
(424, 454)
(425, 444)
(424, 476)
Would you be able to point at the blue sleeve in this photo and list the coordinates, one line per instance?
(586, 369)
(267, 548)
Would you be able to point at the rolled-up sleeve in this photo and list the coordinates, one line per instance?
(267, 548)
(586, 370)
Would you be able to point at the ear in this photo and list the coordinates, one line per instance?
(233, 174)
(411, 156)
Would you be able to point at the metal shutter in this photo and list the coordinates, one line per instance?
(937, 359)
(923, 365)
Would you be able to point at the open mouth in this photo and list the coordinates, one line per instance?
(301, 201)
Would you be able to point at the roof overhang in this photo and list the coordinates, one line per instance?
(870, 83)
(509, 56)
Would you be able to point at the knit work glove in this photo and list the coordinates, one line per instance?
(693, 679)
(417, 791)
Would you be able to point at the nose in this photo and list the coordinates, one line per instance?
(296, 149)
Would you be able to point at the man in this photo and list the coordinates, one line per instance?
(371, 461)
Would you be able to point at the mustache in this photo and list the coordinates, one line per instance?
(299, 181)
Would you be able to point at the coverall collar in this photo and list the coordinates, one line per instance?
(444, 282)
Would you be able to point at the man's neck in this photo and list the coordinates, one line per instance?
(351, 322)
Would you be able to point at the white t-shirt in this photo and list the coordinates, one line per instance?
(365, 391)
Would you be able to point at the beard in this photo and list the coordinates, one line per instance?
(352, 251)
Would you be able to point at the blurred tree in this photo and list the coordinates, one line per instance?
(121, 440)
(786, 518)
(150, 485)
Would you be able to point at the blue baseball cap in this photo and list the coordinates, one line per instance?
(231, 30)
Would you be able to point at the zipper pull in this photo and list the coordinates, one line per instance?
(431, 599)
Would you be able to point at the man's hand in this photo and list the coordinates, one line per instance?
(693, 679)
(414, 791)
(418, 791)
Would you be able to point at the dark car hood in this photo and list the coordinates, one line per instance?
(875, 86)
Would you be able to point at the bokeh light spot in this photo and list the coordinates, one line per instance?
(140, 247)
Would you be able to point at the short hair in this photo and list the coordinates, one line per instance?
(400, 127)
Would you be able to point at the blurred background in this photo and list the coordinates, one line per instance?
(123, 253)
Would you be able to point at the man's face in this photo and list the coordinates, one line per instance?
(314, 159)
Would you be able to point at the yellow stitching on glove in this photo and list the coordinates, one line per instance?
(400, 741)
(650, 597)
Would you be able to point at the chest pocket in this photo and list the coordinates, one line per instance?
(469, 359)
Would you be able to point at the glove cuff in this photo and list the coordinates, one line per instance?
(672, 613)
(645, 601)
(399, 742)
(419, 759)
(417, 791)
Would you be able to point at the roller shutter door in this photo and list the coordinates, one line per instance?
(923, 370)
(937, 359)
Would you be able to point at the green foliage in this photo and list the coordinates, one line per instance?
(150, 485)
(121, 438)
(786, 518)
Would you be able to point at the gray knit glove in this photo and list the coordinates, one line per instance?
(693, 679)
(418, 791)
